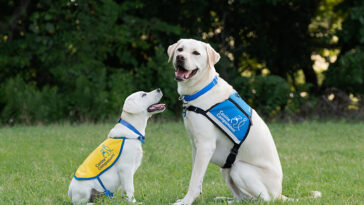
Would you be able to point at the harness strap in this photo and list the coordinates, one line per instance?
(196, 110)
(126, 124)
(233, 152)
(232, 156)
(139, 138)
(107, 192)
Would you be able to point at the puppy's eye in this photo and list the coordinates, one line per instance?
(180, 49)
(144, 94)
(195, 53)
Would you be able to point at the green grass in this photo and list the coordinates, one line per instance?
(37, 163)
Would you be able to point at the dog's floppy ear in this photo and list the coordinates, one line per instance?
(171, 50)
(212, 56)
(131, 106)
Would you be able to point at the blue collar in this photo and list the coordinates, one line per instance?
(202, 91)
(125, 123)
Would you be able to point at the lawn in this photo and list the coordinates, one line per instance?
(38, 162)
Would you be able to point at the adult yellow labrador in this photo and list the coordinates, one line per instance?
(256, 172)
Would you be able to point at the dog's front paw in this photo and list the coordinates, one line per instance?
(227, 200)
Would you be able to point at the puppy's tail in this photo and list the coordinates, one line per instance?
(314, 195)
(95, 195)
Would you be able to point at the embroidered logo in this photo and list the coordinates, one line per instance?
(106, 152)
(234, 123)
(238, 122)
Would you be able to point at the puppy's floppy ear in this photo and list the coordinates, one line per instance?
(131, 106)
(171, 50)
(212, 56)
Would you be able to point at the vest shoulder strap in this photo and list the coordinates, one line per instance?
(196, 110)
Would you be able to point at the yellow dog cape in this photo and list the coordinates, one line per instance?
(104, 157)
(101, 159)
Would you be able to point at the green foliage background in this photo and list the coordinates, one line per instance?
(77, 60)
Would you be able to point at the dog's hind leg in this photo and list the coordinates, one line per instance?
(226, 175)
(79, 192)
(231, 185)
(250, 181)
(79, 197)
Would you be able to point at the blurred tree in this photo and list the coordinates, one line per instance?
(347, 73)
(273, 32)
(80, 59)
(76, 49)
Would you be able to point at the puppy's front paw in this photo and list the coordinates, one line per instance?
(182, 202)
(131, 200)
(178, 202)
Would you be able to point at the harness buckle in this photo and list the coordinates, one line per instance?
(234, 151)
(184, 110)
(141, 139)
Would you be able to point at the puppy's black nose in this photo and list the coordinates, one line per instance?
(180, 58)
(158, 90)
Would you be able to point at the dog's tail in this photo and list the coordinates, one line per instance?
(284, 198)
(314, 195)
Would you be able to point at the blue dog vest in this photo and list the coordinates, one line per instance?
(232, 117)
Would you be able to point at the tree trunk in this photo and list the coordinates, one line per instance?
(310, 77)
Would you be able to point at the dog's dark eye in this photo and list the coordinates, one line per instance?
(196, 53)
(180, 49)
(144, 94)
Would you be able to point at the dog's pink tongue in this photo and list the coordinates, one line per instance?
(181, 73)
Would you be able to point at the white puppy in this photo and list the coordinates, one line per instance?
(256, 172)
(113, 164)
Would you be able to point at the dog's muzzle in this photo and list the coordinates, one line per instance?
(181, 73)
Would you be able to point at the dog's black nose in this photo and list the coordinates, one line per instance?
(158, 90)
(180, 58)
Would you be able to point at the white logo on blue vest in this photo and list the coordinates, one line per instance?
(239, 122)
(234, 123)
(232, 116)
